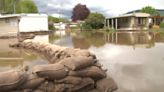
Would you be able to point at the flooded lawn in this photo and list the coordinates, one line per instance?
(134, 60)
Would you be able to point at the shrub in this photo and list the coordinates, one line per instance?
(86, 26)
(51, 26)
(162, 25)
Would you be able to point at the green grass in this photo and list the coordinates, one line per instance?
(161, 30)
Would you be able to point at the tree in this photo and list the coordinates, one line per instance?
(80, 12)
(26, 6)
(95, 20)
(53, 19)
(7, 6)
(18, 6)
(149, 9)
(57, 20)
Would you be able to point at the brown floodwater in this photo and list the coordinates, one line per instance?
(134, 60)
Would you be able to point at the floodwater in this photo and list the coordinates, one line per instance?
(11, 58)
(134, 60)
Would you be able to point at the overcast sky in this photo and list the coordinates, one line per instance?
(106, 7)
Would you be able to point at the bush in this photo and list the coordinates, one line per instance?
(86, 26)
(162, 25)
(95, 20)
(110, 30)
(51, 26)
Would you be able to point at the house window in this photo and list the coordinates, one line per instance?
(141, 21)
(125, 20)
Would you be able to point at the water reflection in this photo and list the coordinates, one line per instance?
(134, 60)
(14, 58)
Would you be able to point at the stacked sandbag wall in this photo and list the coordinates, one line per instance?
(70, 70)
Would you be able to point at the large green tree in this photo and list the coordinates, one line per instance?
(149, 9)
(17, 6)
(95, 21)
(26, 6)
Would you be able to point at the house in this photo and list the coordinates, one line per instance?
(60, 26)
(132, 21)
(157, 18)
(16, 23)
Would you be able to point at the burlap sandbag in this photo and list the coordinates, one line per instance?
(93, 72)
(75, 63)
(47, 86)
(14, 44)
(19, 91)
(69, 80)
(80, 52)
(106, 85)
(94, 90)
(77, 52)
(28, 45)
(51, 71)
(10, 80)
(32, 82)
(63, 87)
(86, 85)
(38, 90)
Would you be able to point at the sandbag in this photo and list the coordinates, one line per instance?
(28, 45)
(106, 85)
(86, 85)
(80, 52)
(93, 72)
(38, 90)
(76, 52)
(63, 87)
(51, 71)
(75, 63)
(10, 80)
(70, 80)
(18, 91)
(32, 82)
(94, 90)
(14, 44)
(47, 86)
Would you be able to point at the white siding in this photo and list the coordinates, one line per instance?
(33, 23)
(8, 26)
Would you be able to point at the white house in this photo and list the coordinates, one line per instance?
(132, 21)
(12, 24)
(60, 26)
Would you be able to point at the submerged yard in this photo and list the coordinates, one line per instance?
(134, 60)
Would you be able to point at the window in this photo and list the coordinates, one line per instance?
(141, 21)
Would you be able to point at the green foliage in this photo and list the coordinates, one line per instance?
(51, 26)
(64, 20)
(57, 20)
(26, 6)
(86, 26)
(7, 6)
(95, 21)
(53, 19)
(110, 30)
(21, 6)
(162, 25)
(149, 9)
